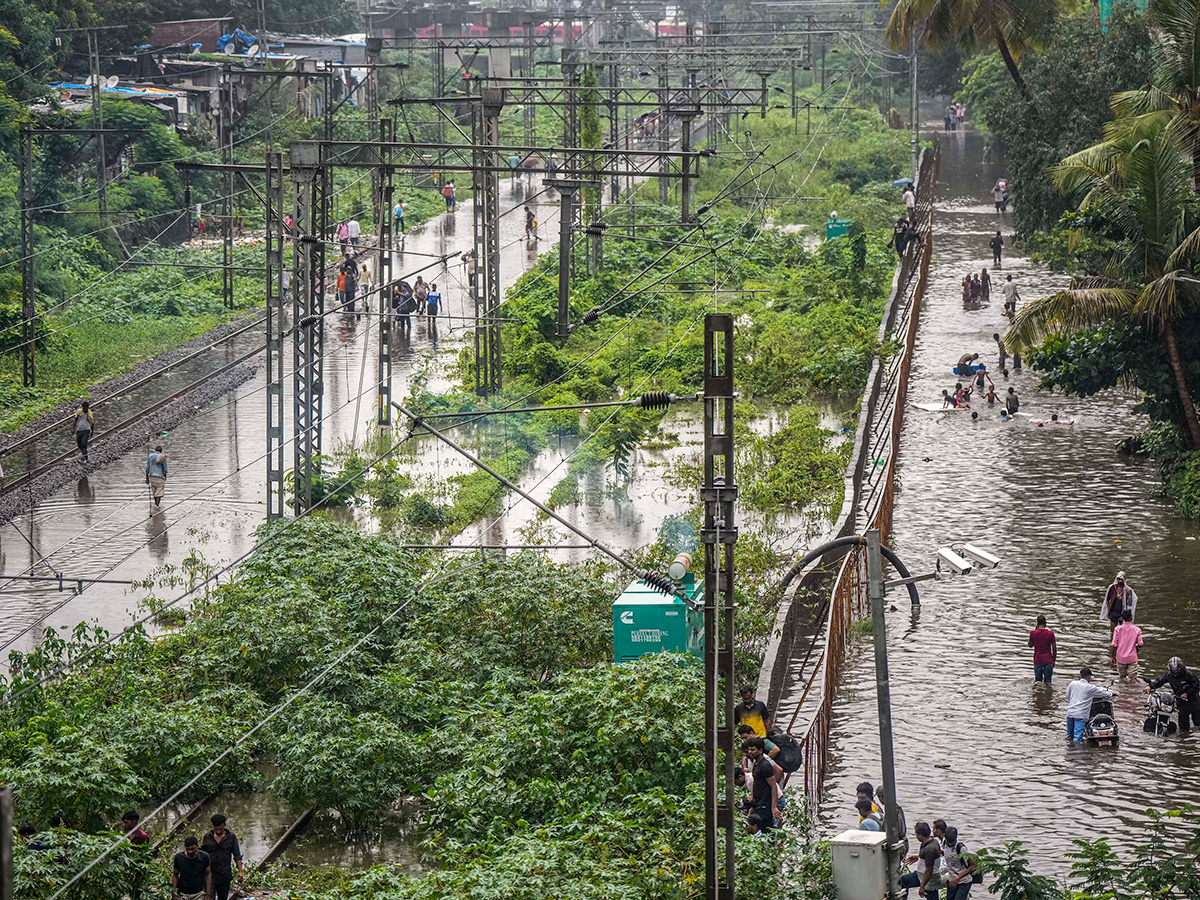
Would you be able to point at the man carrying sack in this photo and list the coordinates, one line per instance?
(156, 474)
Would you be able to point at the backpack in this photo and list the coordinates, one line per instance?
(447, 191)
(790, 757)
(976, 876)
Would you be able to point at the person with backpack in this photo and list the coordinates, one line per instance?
(433, 300)
(745, 732)
(790, 755)
(868, 818)
(421, 293)
(960, 869)
(448, 195)
(405, 304)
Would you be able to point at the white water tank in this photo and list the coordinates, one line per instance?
(859, 865)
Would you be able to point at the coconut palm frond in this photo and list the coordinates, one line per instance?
(1164, 299)
(1187, 251)
(1143, 101)
(1068, 311)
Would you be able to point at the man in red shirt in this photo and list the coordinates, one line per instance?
(137, 836)
(1045, 651)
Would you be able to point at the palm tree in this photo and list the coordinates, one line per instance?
(1137, 182)
(1008, 24)
(1172, 99)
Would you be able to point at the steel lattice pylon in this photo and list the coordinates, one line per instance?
(718, 535)
(275, 212)
(309, 181)
(486, 287)
(384, 279)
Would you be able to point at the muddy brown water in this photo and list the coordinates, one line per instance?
(976, 741)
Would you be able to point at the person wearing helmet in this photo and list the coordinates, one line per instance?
(1187, 691)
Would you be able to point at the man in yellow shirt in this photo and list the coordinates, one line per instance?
(752, 712)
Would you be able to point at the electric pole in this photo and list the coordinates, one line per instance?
(225, 133)
(883, 699)
(275, 301)
(384, 279)
(718, 535)
(28, 313)
(98, 123)
(309, 228)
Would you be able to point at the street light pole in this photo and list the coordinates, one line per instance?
(883, 697)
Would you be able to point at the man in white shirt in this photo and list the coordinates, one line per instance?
(355, 231)
(1079, 702)
(910, 200)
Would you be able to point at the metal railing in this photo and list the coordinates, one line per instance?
(870, 485)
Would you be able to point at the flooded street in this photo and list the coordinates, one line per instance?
(977, 742)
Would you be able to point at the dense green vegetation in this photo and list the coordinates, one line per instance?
(544, 771)
(1157, 860)
(1102, 167)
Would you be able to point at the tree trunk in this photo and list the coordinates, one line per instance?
(1196, 166)
(1185, 395)
(1002, 46)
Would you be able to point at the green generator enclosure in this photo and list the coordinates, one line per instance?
(645, 620)
(836, 228)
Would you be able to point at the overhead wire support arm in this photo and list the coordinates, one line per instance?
(660, 582)
(652, 400)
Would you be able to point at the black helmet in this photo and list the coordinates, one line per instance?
(1175, 665)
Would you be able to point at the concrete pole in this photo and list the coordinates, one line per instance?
(883, 696)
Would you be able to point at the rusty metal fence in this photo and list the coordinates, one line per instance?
(870, 484)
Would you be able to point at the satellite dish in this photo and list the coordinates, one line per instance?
(112, 81)
(229, 49)
(253, 51)
(88, 81)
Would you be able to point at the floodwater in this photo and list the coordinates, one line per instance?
(977, 742)
(101, 527)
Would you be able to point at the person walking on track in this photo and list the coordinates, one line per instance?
(156, 474)
(83, 429)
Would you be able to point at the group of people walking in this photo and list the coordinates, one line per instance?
(769, 756)
(941, 860)
(977, 287)
(1118, 608)
(954, 116)
(421, 298)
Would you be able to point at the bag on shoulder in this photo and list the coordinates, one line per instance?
(790, 757)
(976, 876)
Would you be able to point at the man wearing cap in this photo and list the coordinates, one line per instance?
(1120, 597)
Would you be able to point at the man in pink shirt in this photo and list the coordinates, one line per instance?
(1126, 638)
